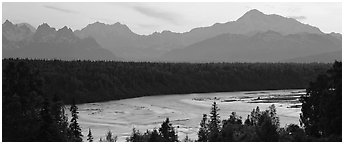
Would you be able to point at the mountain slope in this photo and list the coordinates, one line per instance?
(119, 39)
(328, 57)
(47, 43)
(15, 32)
(251, 22)
(33, 29)
(267, 46)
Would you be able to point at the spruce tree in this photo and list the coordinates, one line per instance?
(48, 131)
(203, 130)
(60, 118)
(109, 137)
(167, 131)
(89, 136)
(74, 125)
(214, 123)
(273, 115)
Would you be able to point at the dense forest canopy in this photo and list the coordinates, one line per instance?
(92, 81)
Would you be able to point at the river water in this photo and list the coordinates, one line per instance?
(184, 111)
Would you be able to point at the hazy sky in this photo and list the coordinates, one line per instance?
(146, 18)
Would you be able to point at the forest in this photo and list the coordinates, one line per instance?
(95, 81)
(33, 110)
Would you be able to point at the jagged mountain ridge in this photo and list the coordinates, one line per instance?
(147, 47)
(48, 43)
(15, 32)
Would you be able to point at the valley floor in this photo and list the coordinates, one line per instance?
(184, 111)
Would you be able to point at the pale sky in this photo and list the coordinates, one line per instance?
(146, 18)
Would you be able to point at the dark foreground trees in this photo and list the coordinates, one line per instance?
(75, 130)
(322, 105)
(259, 126)
(166, 133)
(28, 115)
(89, 136)
(21, 102)
(214, 123)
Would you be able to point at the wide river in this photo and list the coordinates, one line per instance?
(184, 111)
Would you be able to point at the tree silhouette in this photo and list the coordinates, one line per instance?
(136, 136)
(321, 107)
(155, 137)
(74, 127)
(266, 129)
(203, 130)
(48, 130)
(214, 123)
(231, 129)
(167, 131)
(60, 118)
(89, 136)
(109, 137)
(292, 133)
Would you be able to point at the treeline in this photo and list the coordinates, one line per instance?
(93, 81)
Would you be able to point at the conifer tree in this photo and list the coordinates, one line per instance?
(203, 130)
(75, 129)
(109, 137)
(167, 131)
(273, 115)
(47, 131)
(60, 118)
(89, 136)
(214, 123)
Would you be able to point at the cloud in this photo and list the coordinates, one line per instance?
(298, 17)
(166, 16)
(59, 9)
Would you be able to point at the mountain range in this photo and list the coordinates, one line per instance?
(254, 37)
(19, 41)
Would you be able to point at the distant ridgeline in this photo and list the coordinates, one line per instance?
(93, 81)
